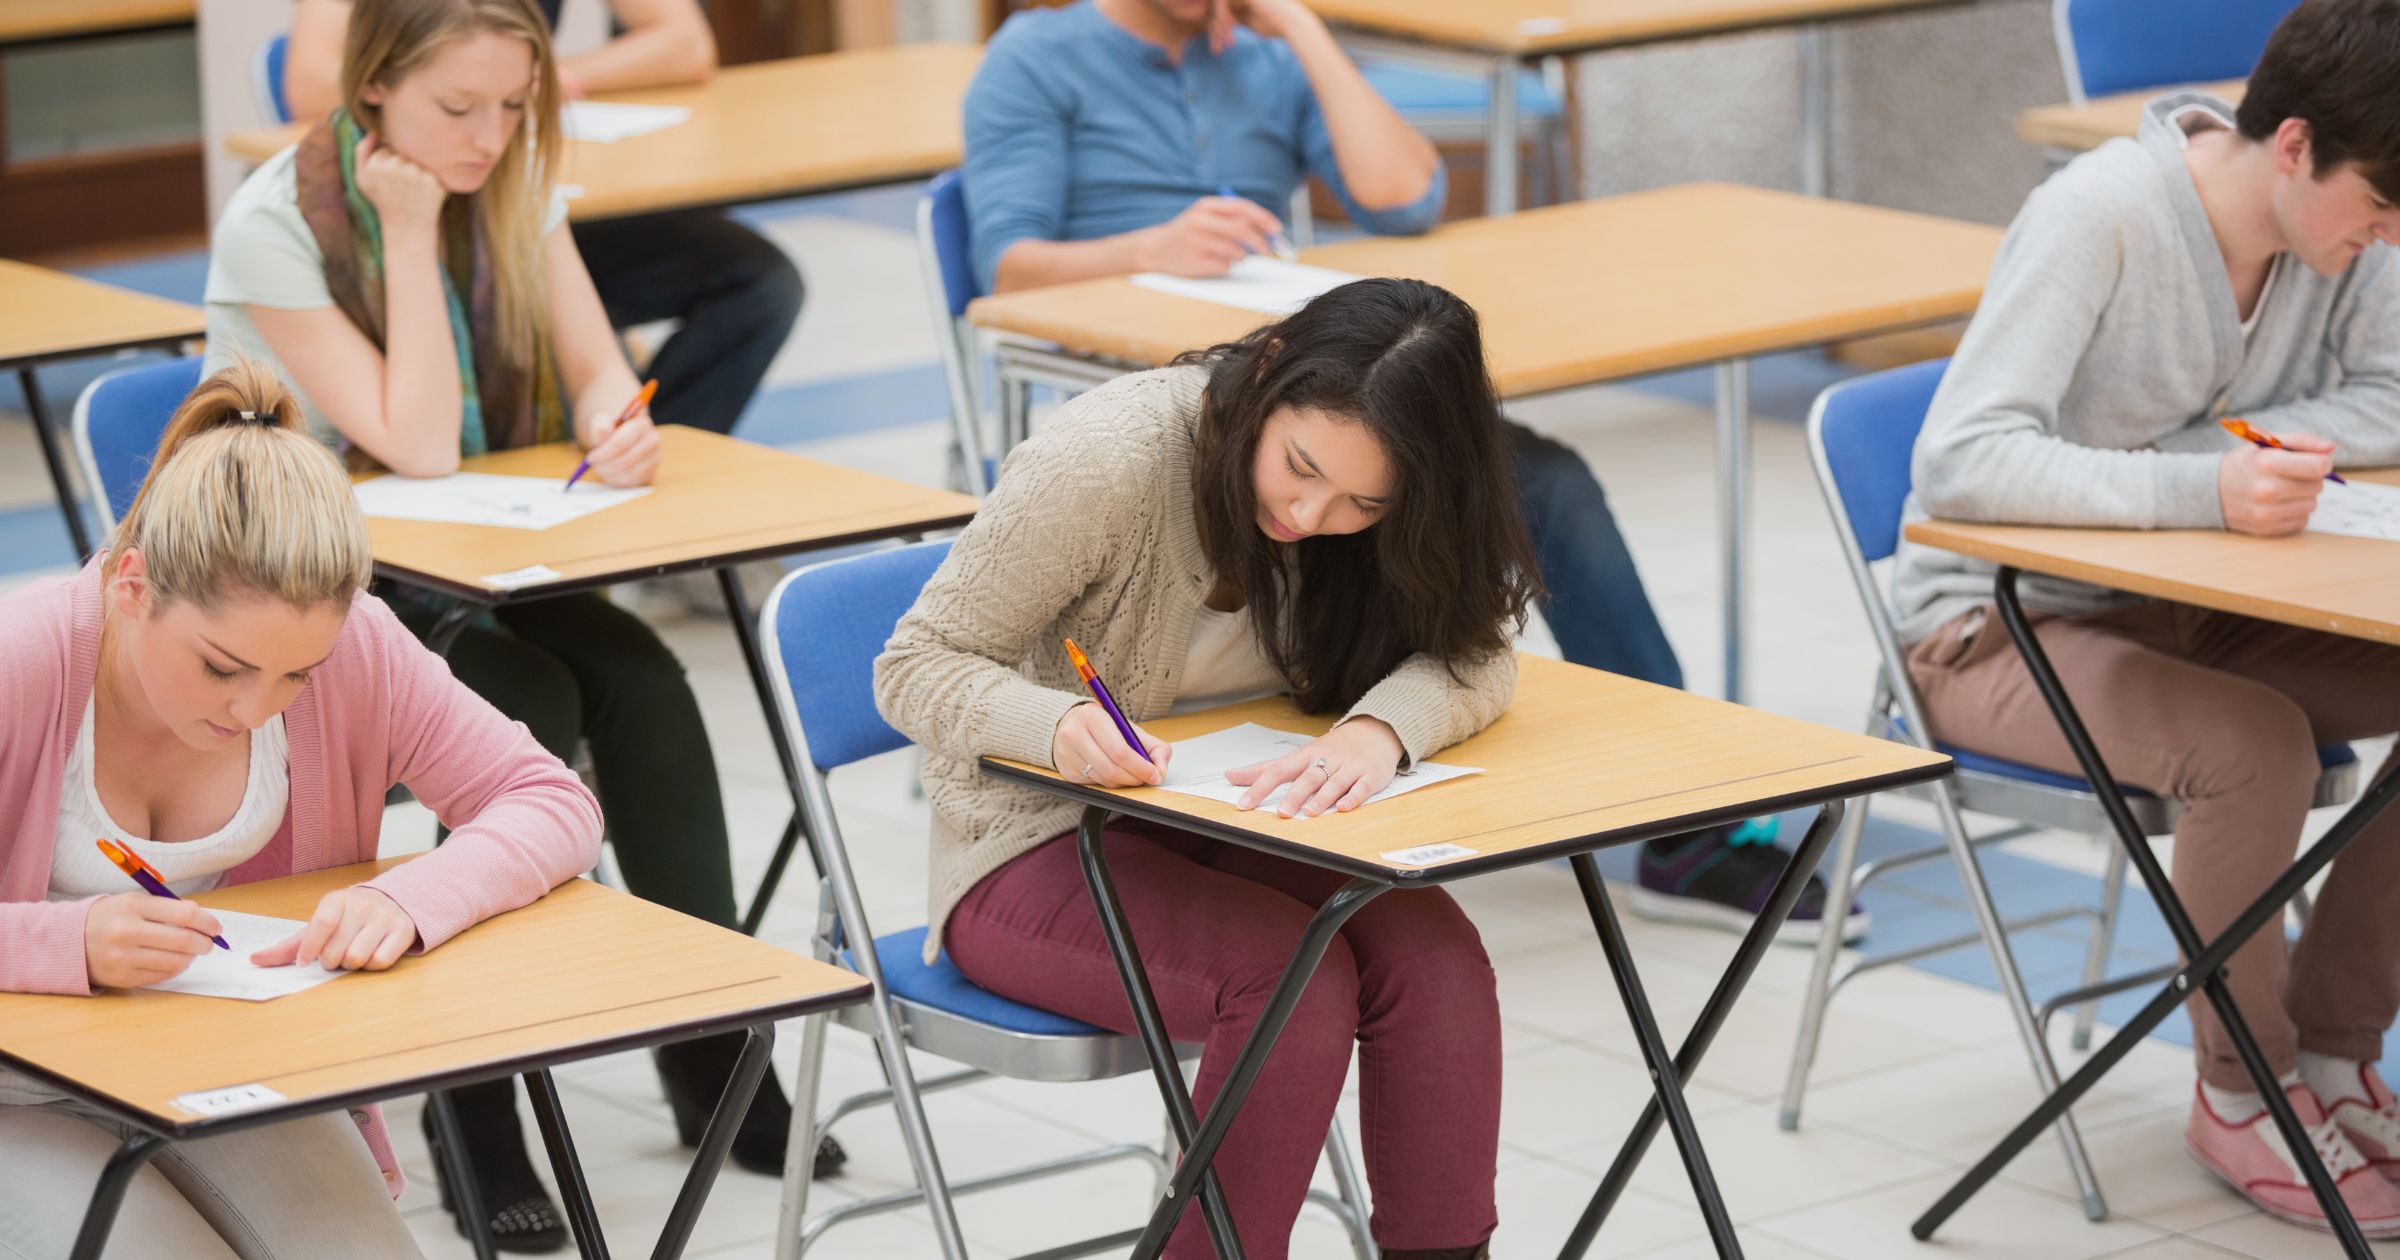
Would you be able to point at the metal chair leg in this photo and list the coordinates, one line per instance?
(2104, 939)
(800, 1153)
(1350, 1194)
(1838, 892)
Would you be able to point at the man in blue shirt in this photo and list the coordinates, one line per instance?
(1099, 139)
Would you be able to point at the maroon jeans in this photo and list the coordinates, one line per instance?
(1406, 981)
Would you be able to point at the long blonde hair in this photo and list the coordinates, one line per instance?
(388, 39)
(241, 501)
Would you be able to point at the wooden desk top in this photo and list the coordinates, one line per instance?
(24, 21)
(718, 500)
(2347, 586)
(586, 970)
(1596, 290)
(2096, 122)
(1581, 759)
(47, 315)
(770, 129)
(1548, 27)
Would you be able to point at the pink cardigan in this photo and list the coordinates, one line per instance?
(381, 710)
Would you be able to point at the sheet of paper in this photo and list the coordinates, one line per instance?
(1257, 283)
(2360, 509)
(228, 973)
(488, 499)
(604, 122)
(1199, 765)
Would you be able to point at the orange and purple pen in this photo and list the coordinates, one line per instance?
(1108, 703)
(640, 400)
(146, 875)
(2242, 429)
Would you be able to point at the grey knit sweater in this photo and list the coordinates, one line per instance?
(2087, 389)
(1088, 534)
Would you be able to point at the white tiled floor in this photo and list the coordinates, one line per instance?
(1916, 1075)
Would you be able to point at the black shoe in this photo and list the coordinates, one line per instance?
(523, 1217)
(1722, 877)
(695, 1074)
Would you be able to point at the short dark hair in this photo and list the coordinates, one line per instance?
(1448, 570)
(2333, 64)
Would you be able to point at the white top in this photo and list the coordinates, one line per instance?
(1224, 663)
(77, 869)
(262, 253)
(2265, 291)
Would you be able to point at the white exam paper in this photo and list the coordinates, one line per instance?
(1199, 765)
(605, 122)
(1256, 283)
(2360, 509)
(489, 499)
(228, 973)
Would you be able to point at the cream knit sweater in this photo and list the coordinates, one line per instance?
(1088, 534)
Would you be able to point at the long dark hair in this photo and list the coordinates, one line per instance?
(1448, 569)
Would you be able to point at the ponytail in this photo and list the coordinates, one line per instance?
(241, 502)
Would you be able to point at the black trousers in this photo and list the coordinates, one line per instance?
(736, 293)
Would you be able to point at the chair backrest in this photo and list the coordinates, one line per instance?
(823, 627)
(945, 253)
(118, 422)
(2109, 46)
(266, 79)
(1861, 434)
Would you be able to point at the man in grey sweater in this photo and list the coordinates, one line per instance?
(2222, 264)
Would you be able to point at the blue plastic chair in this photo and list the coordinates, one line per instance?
(823, 627)
(2111, 46)
(1861, 436)
(945, 255)
(266, 79)
(118, 422)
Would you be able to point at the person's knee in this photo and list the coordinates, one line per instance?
(1431, 958)
(767, 289)
(1326, 1015)
(2259, 742)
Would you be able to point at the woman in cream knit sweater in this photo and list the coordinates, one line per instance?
(1323, 508)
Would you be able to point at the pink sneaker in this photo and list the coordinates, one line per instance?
(2372, 1126)
(2253, 1159)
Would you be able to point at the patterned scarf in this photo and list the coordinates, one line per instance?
(506, 404)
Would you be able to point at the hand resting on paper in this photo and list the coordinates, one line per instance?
(354, 929)
(133, 939)
(2269, 492)
(1359, 759)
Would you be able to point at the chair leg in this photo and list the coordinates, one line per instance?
(1353, 1197)
(800, 1152)
(2012, 989)
(2104, 939)
(1820, 972)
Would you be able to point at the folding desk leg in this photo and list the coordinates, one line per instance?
(1816, 111)
(466, 1200)
(583, 1216)
(1746, 956)
(56, 460)
(1151, 1027)
(109, 1195)
(715, 1141)
(1666, 1083)
(1733, 509)
(745, 632)
(2206, 958)
(1200, 1146)
(1500, 141)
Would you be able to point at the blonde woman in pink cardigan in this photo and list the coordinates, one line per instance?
(217, 692)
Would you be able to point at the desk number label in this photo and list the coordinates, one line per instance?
(526, 576)
(224, 1102)
(1428, 854)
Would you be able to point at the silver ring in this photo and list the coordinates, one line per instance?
(1087, 770)
(1318, 764)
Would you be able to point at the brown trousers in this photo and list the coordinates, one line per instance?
(2224, 712)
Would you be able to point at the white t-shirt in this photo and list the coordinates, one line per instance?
(263, 254)
(1224, 663)
(78, 870)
